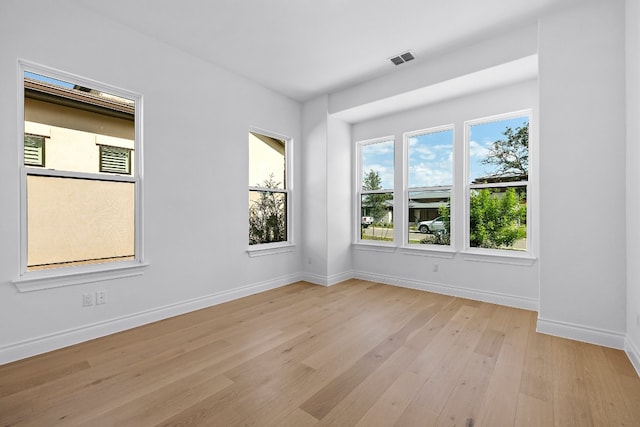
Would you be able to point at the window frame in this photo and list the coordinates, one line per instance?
(288, 245)
(451, 188)
(78, 274)
(482, 253)
(357, 238)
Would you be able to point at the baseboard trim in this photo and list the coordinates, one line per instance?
(475, 294)
(581, 333)
(633, 354)
(21, 350)
(334, 279)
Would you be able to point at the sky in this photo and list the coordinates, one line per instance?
(47, 79)
(431, 159)
(430, 154)
(481, 137)
(378, 156)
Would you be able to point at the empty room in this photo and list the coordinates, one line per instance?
(309, 213)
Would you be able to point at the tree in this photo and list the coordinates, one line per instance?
(376, 202)
(510, 155)
(268, 215)
(496, 219)
(444, 238)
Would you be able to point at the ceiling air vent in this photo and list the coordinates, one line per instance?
(402, 58)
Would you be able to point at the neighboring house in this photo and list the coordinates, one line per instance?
(77, 131)
(387, 218)
(492, 179)
(425, 205)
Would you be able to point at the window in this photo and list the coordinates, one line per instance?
(269, 189)
(375, 189)
(81, 205)
(498, 182)
(429, 167)
(115, 160)
(464, 191)
(33, 150)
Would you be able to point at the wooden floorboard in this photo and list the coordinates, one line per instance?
(355, 354)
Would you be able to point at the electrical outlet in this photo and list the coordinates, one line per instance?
(637, 319)
(436, 268)
(87, 300)
(101, 297)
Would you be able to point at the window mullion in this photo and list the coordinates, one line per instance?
(269, 190)
(78, 175)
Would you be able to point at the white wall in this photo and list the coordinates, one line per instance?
(582, 173)
(326, 194)
(314, 190)
(339, 200)
(515, 285)
(633, 179)
(196, 119)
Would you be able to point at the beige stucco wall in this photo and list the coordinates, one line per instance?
(73, 220)
(84, 147)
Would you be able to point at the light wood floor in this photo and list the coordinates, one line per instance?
(355, 354)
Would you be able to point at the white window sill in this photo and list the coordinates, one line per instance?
(374, 247)
(270, 249)
(433, 251)
(55, 278)
(481, 255)
(500, 257)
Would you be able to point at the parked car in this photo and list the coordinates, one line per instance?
(431, 226)
(366, 221)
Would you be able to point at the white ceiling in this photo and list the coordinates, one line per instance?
(304, 48)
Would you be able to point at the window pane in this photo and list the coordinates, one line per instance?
(498, 218)
(430, 158)
(377, 165)
(78, 221)
(429, 217)
(77, 121)
(267, 166)
(499, 151)
(267, 217)
(377, 216)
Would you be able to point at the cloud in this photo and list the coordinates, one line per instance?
(478, 150)
(384, 172)
(378, 148)
(430, 162)
(423, 153)
(433, 172)
(430, 175)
